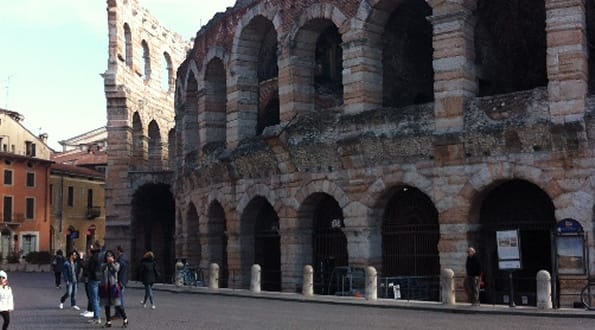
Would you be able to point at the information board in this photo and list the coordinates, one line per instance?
(509, 252)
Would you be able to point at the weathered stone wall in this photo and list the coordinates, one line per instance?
(454, 149)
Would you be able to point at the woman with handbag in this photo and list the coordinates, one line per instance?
(110, 291)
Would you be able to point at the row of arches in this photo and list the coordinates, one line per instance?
(246, 88)
(132, 53)
(402, 240)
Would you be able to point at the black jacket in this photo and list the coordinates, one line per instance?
(473, 265)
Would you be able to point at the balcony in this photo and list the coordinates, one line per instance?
(93, 212)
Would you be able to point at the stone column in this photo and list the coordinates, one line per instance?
(567, 59)
(544, 290)
(454, 54)
(371, 283)
(447, 286)
(308, 283)
(214, 276)
(255, 279)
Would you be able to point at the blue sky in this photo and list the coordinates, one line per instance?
(53, 52)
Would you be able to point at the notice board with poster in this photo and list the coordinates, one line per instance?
(509, 249)
(570, 248)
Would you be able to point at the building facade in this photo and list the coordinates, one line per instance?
(24, 164)
(380, 133)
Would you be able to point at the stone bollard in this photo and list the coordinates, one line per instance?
(544, 290)
(255, 279)
(371, 283)
(179, 276)
(213, 276)
(447, 286)
(308, 285)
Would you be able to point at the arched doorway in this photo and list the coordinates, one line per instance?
(515, 204)
(153, 226)
(217, 241)
(260, 225)
(410, 234)
(329, 244)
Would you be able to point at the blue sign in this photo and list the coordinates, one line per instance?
(74, 234)
(568, 226)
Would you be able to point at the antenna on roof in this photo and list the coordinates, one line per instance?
(7, 87)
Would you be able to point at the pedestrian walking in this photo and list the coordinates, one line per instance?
(473, 269)
(71, 273)
(94, 277)
(122, 276)
(58, 267)
(110, 289)
(85, 280)
(148, 273)
(6, 300)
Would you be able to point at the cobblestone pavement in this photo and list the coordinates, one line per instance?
(36, 303)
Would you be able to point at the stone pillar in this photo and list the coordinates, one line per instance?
(371, 283)
(255, 279)
(544, 290)
(567, 59)
(213, 276)
(447, 286)
(454, 54)
(308, 283)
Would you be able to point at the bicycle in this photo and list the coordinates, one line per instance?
(588, 295)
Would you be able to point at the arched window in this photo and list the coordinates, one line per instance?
(167, 73)
(127, 45)
(146, 60)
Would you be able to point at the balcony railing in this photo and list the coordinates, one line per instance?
(93, 212)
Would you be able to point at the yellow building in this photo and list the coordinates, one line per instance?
(77, 204)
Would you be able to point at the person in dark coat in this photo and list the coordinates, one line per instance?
(122, 275)
(148, 272)
(58, 268)
(110, 290)
(473, 269)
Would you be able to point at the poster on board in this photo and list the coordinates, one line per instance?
(509, 252)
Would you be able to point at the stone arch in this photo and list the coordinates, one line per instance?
(155, 146)
(213, 117)
(190, 128)
(128, 49)
(521, 205)
(217, 238)
(260, 243)
(167, 73)
(506, 60)
(146, 60)
(254, 63)
(153, 225)
(192, 234)
(407, 53)
(322, 242)
(139, 147)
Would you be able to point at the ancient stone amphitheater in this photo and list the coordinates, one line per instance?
(357, 133)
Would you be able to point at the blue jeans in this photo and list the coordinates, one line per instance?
(94, 293)
(148, 293)
(71, 289)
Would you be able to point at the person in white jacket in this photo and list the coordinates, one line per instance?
(6, 300)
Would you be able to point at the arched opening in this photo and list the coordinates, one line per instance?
(328, 69)
(515, 204)
(153, 210)
(410, 235)
(217, 241)
(329, 244)
(214, 120)
(127, 45)
(167, 73)
(193, 248)
(146, 60)
(510, 46)
(171, 149)
(190, 133)
(261, 243)
(590, 9)
(408, 76)
(268, 115)
(138, 143)
(155, 147)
